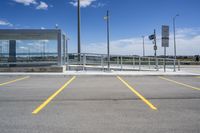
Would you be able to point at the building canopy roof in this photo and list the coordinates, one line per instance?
(29, 34)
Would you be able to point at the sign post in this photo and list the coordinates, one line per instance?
(165, 42)
(153, 37)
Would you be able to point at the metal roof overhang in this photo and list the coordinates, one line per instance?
(29, 34)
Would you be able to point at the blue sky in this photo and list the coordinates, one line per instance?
(130, 19)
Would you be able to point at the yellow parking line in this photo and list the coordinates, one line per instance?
(45, 103)
(12, 81)
(138, 94)
(176, 82)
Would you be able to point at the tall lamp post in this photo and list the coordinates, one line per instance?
(79, 31)
(143, 46)
(174, 26)
(108, 38)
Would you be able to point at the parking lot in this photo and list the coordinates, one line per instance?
(100, 104)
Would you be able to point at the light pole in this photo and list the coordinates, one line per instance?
(155, 44)
(174, 26)
(108, 38)
(155, 49)
(79, 31)
(143, 46)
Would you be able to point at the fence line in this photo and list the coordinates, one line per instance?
(93, 61)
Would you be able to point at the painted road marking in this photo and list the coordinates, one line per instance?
(138, 94)
(12, 81)
(176, 82)
(45, 103)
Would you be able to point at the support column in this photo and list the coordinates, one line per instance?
(67, 54)
(59, 47)
(12, 52)
(64, 49)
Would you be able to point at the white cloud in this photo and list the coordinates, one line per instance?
(188, 43)
(42, 6)
(98, 5)
(5, 23)
(39, 5)
(26, 2)
(83, 3)
(187, 31)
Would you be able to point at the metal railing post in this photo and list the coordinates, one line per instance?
(157, 63)
(79, 62)
(84, 61)
(117, 60)
(67, 61)
(179, 65)
(174, 65)
(164, 65)
(102, 62)
(149, 62)
(133, 61)
(121, 63)
(140, 63)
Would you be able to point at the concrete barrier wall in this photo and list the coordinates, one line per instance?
(55, 69)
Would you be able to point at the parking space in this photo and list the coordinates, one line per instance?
(190, 81)
(89, 104)
(95, 88)
(34, 88)
(154, 87)
(5, 80)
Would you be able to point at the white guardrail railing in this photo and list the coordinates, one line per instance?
(118, 62)
(89, 61)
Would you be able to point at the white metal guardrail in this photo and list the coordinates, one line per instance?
(119, 62)
(90, 61)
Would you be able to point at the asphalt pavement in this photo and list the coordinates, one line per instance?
(99, 104)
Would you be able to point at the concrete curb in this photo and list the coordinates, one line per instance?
(81, 73)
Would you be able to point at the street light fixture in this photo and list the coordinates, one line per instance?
(174, 26)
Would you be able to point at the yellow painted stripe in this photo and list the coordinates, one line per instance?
(12, 81)
(179, 83)
(45, 103)
(138, 94)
